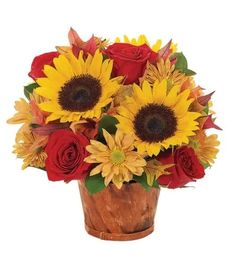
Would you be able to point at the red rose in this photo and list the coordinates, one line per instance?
(186, 167)
(66, 152)
(39, 62)
(130, 60)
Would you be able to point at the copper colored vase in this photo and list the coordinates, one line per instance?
(119, 214)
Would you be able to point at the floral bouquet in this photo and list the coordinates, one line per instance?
(124, 119)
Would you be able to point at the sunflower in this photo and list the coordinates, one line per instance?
(30, 147)
(142, 39)
(117, 162)
(205, 147)
(164, 69)
(76, 87)
(158, 119)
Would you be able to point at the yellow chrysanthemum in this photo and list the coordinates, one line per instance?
(28, 112)
(157, 118)
(142, 39)
(205, 147)
(165, 70)
(76, 87)
(30, 147)
(117, 162)
(23, 114)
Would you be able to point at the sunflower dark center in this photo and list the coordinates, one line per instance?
(80, 94)
(155, 123)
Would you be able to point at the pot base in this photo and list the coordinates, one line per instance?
(119, 236)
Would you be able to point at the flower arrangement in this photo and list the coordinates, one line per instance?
(115, 113)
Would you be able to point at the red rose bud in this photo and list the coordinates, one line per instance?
(187, 167)
(130, 60)
(66, 152)
(39, 62)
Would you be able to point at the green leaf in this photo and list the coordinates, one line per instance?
(182, 64)
(34, 125)
(29, 89)
(205, 165)
(155, 184)
(142, 180)
(206, 109)
(109, 123)
(95, 184)
(189, 72)
(181, 61)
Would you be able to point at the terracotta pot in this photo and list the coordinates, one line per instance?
(124, 214)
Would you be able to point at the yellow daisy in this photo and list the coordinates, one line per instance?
(117, 162)
(30, 147)
(157, 118)
(76, 87)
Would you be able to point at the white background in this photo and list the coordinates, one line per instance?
(41, 223)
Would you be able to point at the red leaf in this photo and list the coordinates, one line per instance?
(90, 46)
(165, 51)
(203, 100)
(209, 123)
(74, 38)
(76, 50)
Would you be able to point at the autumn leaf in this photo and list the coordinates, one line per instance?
(74, 38)
(165, 51)
(209, 123)
(203, 100)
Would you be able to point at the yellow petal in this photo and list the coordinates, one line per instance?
(46, 92)
(147, 91)
(108, 179)
(153, 149)
(53, 117)
(182, 107)
(96, 170)
(63, 66)
(100, 146)
(119, 137)
(109, 139)
(96, 63)
(138, 93)
(159, 91)
(53, 74)
(172, 96)
(117, 182)
(50, 107)
(75, 63)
